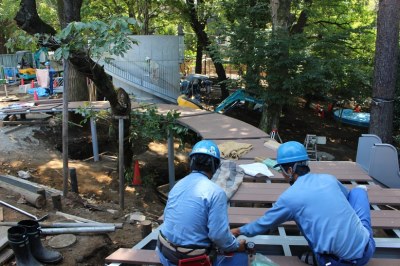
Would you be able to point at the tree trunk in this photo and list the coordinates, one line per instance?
(69, 11)
(77, 81)
(270, 117)
(385, 70)
(280, 12)
(3, 41)
(202, 37)
(199, 57)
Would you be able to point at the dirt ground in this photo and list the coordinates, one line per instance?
(35, 149)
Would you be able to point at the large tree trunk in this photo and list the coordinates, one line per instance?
(280, 12)
(202, 37)
(77, 81)
(385, 70)
(69, 11)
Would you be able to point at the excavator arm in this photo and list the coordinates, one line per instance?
(235, 98)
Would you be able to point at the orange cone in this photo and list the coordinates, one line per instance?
(35, 96)
(22, 82)
(32, 84)
(137, 180)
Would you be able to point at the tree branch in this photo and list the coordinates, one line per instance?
(28, 19)
(340, 25)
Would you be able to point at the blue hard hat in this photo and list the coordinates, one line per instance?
(291, 152)
(207, 147)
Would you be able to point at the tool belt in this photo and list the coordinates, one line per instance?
(335, 260)
(175, 253)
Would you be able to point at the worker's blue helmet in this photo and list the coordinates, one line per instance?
(207, 147)
(291, 152)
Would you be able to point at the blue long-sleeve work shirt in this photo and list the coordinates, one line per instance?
(196, 214)
(318, 204)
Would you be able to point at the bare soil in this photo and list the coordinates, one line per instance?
(37, 149)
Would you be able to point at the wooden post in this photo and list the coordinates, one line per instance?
(56, 198)
(171, 165)
(65, 129)
(74, 180)
(145, 227)
(121, 160)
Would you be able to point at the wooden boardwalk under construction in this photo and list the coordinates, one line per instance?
(252, 199)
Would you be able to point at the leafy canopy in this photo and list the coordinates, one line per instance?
(98, 39)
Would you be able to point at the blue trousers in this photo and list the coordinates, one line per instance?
(238, 259)
(358, 199)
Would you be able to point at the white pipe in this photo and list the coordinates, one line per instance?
(77, 230)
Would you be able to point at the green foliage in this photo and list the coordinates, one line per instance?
(330, 56)
(153, 16)
(98, 39)
(87, 112)
(148, 125)
(47, 10)
(21, 41)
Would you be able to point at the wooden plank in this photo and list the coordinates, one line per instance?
(383, 219)
(94, 105)
(249, 197)
(269, 193)
(134, 256)
(48, 101)
(343, 170)
(217, 126)
(25, 122)
(238, 216)
(141, 256)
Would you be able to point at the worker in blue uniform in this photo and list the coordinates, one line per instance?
(196, 218)
(336, 222)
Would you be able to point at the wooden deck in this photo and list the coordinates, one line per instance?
(222, 128)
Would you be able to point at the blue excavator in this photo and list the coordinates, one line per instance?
(235, 98)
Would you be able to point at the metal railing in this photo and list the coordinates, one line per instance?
(158, 78)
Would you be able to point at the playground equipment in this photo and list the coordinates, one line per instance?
(349, 116)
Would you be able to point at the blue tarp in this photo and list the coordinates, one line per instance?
(41, 92)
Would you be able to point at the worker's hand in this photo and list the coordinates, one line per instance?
(242, 245)
(235, 231)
